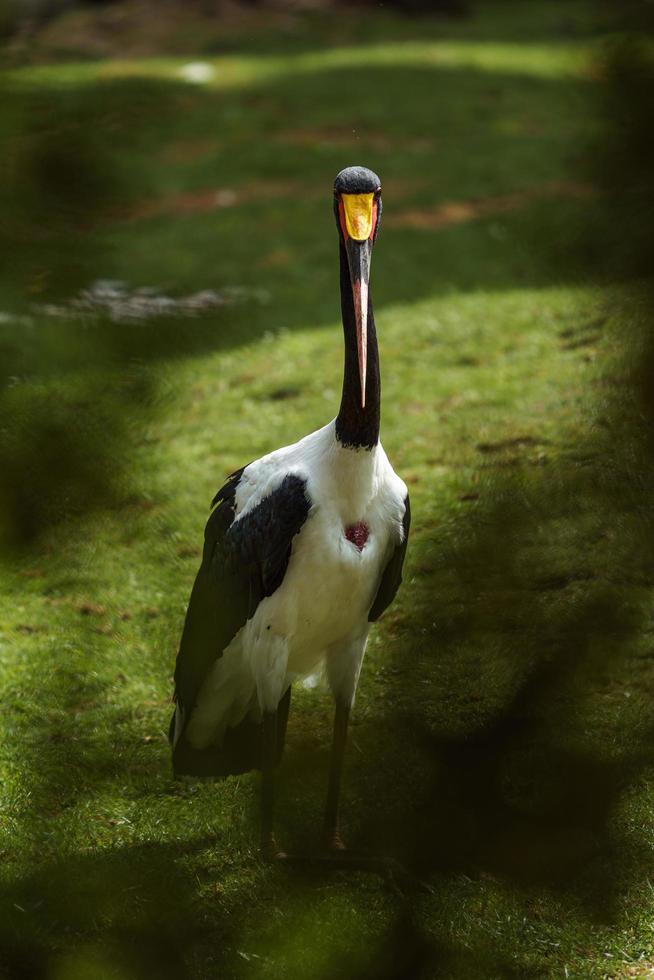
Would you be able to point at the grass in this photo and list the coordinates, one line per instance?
(501, 730)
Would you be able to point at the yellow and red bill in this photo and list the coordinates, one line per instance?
(358, 216)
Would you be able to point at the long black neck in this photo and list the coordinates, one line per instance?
(355, 426)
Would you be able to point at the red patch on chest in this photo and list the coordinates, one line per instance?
(357, 534)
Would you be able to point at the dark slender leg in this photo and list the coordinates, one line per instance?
(270, 749)
(332, 832)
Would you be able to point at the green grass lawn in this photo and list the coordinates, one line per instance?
(500, 745)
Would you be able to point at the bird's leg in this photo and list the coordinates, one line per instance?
(333, 838)
(269, 847)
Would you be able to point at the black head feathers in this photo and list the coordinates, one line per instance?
(357, 180)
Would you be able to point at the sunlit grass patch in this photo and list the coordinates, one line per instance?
(230, 71)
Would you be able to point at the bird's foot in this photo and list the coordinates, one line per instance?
(270, 850)
(332, 840)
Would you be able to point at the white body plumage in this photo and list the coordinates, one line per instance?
(319, 613)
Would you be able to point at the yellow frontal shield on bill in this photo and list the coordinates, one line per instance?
(358, 215)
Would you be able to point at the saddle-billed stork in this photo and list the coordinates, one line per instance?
(303, 550)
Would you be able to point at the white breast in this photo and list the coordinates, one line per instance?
(329, 585)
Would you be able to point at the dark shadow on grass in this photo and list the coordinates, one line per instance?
(127, 912)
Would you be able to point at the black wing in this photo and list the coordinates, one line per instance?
(242, 563)
(392, 574)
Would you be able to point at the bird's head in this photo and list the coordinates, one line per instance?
(358, 207)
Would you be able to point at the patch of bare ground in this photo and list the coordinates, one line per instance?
(473, 209)
(345, 136)
(278, 258)
(189, 151)
(219, 198)
(216, 199)
(585, 334)
(516, 443)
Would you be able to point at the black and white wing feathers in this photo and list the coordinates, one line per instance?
(243, 561)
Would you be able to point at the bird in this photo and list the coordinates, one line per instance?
(303, 550)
